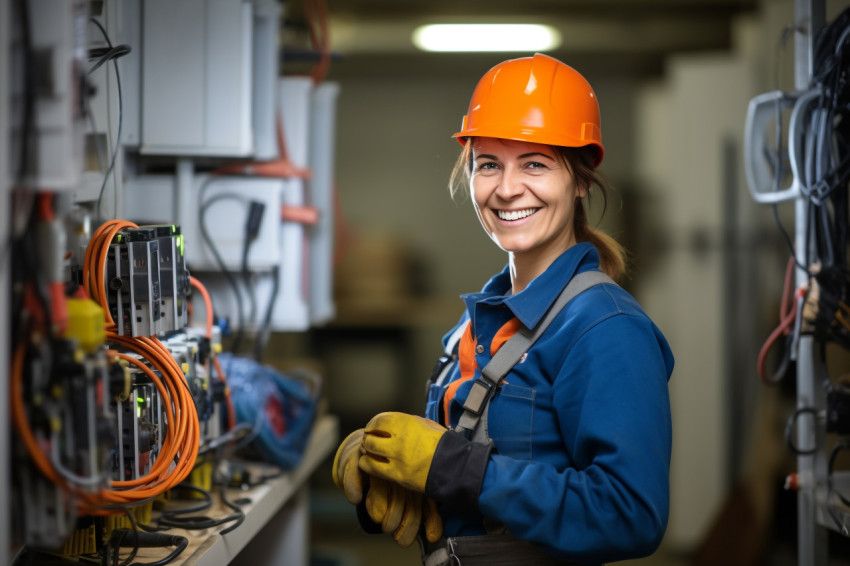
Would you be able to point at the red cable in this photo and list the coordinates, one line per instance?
(787, 315)
(783, 329)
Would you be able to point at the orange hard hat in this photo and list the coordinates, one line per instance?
(535, 99)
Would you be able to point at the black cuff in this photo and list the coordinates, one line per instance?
(457, 472)
(366, 522)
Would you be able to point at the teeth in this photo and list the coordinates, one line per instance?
(515, 214)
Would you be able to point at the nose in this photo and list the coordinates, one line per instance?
(511, 183)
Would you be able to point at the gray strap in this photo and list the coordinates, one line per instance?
(511, 351)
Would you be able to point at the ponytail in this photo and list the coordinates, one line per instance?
(612, 255)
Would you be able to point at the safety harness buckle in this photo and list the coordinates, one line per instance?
(478, 397)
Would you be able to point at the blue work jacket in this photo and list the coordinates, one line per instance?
(581, 426)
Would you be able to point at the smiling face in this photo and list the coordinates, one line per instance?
(524, 196)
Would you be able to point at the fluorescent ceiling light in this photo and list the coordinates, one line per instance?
(486, 37)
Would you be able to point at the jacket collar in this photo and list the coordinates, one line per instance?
(531, 303)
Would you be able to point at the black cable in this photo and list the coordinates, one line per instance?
(181, 544)
(203, 506)
(135, 531)
(253, 221)
(233, 506)
(117, 537)
(120, 122)
(246, 279)
(152, 540)
(103, 55)
(787, 237)
(263, 334)
(789, 429)
(197, 522)
(203, 205)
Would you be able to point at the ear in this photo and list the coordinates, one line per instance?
(581, 191)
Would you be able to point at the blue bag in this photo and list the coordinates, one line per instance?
(281, 407)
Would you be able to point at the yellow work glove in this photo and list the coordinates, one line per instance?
(399, 447)
(345, 472)
(401, 512)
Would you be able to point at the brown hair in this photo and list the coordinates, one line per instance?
(579, 161)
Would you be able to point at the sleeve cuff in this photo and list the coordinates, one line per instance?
(457, 472)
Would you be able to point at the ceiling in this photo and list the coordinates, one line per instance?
(632, 37)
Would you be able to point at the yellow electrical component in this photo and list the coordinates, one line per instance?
(82, 541)
(141, 514)
(85, 324)
(185, 367)
(201, 476)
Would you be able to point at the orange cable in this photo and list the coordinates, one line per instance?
(231, 412)
(207, 303)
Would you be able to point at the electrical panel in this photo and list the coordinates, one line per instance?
(199, 88)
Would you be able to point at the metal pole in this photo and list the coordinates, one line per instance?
(5, 290)
(809, 17)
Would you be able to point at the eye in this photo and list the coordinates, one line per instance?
(487, 166)
(535, 165)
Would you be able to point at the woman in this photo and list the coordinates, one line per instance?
(562, 454)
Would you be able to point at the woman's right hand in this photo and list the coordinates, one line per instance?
(400, 512)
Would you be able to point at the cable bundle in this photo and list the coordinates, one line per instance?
(182, 438)
(826, 171)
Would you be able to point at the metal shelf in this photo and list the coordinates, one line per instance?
(209, 548)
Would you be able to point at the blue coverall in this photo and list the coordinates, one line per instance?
(581, 426)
